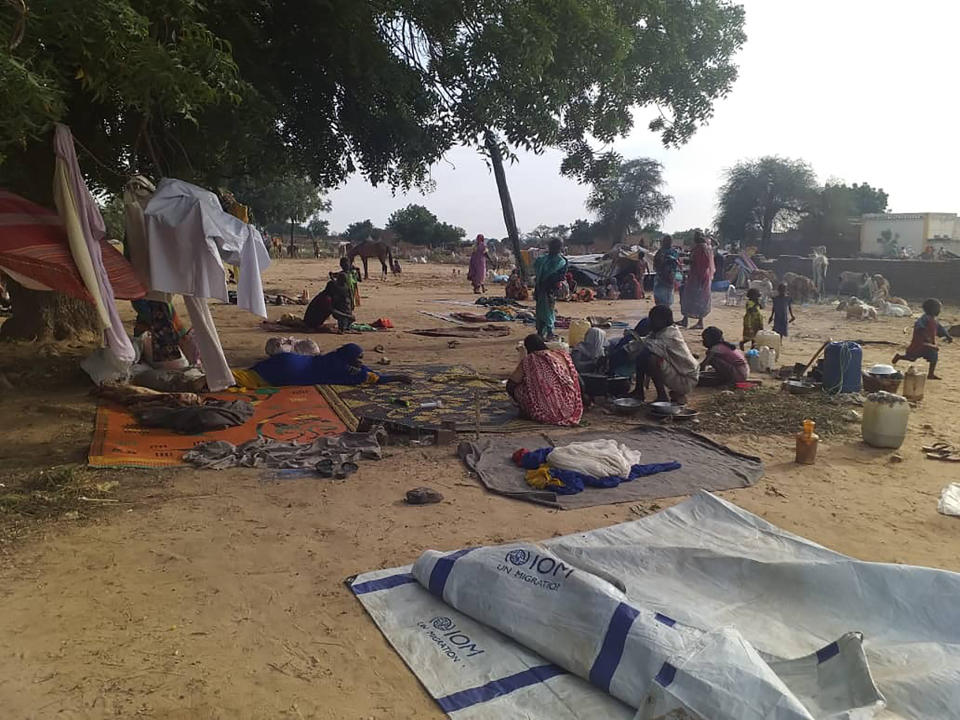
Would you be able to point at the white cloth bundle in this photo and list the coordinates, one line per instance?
(598, 458)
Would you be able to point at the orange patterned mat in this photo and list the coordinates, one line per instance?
(288, 414)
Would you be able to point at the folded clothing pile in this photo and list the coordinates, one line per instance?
(569, 469)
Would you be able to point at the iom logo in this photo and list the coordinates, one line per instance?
(518, 557)
(442, 623)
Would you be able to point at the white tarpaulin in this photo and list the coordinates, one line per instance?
(702, 611)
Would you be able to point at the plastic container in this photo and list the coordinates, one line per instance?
(768, 338)
(767, 358)
(913, 384)
(753, 360)
(842, 362)
(807, 442)
(885, 417)
(578, 330)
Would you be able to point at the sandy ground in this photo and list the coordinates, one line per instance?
(221, 595)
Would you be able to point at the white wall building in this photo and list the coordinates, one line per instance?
(914, 231)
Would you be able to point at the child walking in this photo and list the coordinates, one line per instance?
(752, 319)
(782, 306)
(924, 341)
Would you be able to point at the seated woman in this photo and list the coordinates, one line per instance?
(335, 299)
(729, 364)
(665, 358)
(589, 355)
(517, 288)
(546, 386)
(343, 366)
(630, 288)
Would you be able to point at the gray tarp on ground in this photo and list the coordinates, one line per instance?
(706, 564)
(706, 466)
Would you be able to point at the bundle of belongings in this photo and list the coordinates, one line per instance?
(182, 412)
(569, 469)
(328, 456)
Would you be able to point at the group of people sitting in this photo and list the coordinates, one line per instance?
(547, 385)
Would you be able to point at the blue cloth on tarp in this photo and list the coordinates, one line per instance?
(574, 482)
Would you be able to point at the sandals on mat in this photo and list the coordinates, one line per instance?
(941, 451)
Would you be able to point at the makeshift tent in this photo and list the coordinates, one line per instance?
(702, 607)
(595, 269)
(189, 240)
(34, 252)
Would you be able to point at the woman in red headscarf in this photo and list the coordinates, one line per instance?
(695, 300)
(478, 266)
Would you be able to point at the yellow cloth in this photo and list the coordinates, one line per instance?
(249, 379)
(541, 478)
(67, 205)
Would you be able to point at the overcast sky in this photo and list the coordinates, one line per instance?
(863, 90)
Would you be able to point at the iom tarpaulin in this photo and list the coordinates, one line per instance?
(702, 610)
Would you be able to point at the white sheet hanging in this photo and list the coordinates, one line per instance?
(190, 238)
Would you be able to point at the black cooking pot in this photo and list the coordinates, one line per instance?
(595, 384)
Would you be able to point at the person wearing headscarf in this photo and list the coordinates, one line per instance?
(478, 266)
(630, 287)
(663, 357)
(666, 265)
(549, 270)
(516, 287)
(696, 297)
(343, 366)
(588, 354)
(729, 364)
(546, 386)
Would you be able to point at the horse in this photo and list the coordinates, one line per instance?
(371, 248)
(820, 264)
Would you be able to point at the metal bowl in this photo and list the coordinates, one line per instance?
(627, 406)
(798, 387)
(665, 408)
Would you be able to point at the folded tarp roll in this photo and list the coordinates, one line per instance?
(581, 621)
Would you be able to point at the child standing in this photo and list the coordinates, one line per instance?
(782, 306)
(924, 342)
(752, 319)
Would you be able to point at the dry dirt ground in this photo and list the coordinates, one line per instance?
(220, 595)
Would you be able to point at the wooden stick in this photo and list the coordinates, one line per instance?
(814, 358)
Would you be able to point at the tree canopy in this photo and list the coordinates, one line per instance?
(360, 230)
(284, 199)
(763, 195)
(834, 206)
(627, 195)
(214, 91)
(416, 225)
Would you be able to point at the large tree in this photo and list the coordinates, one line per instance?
(833, 212)
(628, 195)
(214, 91)
(763, 195)
(361, 230)
(413, 224)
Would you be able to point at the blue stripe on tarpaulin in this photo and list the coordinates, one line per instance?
(441, 571)
(607, 660)
(666, 675)
(384, 583)
(497, 688)
(825, 653)
(669, 622)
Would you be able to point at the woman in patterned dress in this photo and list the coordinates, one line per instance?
(546, 386)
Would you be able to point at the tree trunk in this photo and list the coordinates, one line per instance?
(509, 219)
(44, 316)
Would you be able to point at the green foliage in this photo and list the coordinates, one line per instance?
(319, 228)
(582, 233)
(416, 225)
(217, 91)
(627, 195)
(413, 224)
(113, 217)
(763, 195)
(280, 201)
(833, 209)
(360, 231)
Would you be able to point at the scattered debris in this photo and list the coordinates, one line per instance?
(383, 361)
(453, 343)
(895, 458)
(767, 410)
(423, 496)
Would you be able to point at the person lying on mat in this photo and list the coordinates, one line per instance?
(546, 385)
(343, 366)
